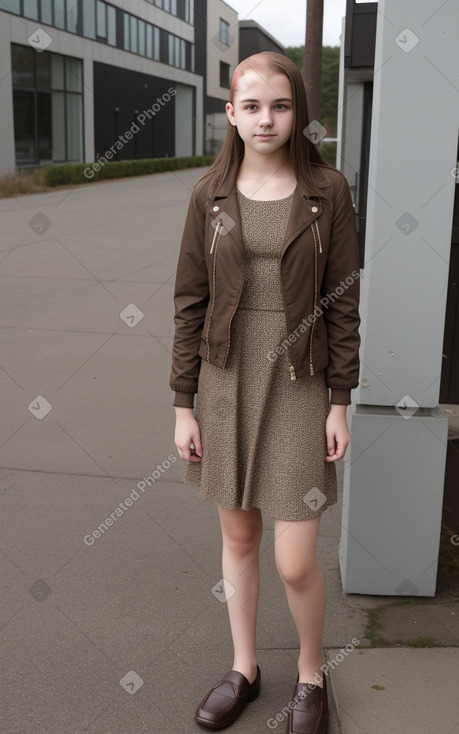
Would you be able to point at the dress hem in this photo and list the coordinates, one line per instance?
(225, 506)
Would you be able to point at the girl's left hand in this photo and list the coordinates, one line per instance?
(337, 432)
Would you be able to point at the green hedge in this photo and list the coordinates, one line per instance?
(81, 173)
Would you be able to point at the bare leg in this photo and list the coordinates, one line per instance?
(295, 553)
(241, 534)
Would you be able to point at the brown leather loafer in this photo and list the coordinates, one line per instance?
(309, 709)
(226, 699)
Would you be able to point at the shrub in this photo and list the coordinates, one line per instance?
(81, 173)
(18, 182)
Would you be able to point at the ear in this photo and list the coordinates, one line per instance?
(230, 113)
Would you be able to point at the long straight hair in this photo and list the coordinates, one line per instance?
(303, 152)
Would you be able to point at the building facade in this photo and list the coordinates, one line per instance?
(83, 78)
(217, 55)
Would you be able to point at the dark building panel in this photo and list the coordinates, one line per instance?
(120, 96)
(360, 34)
(213, 104)
(253, 39)
(200, 38)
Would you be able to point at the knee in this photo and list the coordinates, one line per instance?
(243, 542)
(297, 573)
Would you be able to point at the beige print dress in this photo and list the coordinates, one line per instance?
(263, 434)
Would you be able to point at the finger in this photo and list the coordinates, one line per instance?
(197, 444)
(331, 444)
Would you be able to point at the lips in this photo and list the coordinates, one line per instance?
(264, 135)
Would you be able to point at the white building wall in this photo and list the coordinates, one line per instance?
(183, 111)
(7, 153)
(216, 52)
(15, 29)
(395, 466)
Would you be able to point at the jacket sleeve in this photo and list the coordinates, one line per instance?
(191, 296)
(341, 285)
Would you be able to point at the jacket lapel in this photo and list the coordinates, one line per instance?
(303, 212)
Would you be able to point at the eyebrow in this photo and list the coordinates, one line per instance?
(281, 99)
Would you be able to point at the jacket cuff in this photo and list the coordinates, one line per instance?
(183, 399)
(340, 396)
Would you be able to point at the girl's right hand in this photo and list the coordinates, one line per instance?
(186, 433)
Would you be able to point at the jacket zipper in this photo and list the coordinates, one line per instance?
(318, 234)
(291, 368)
(213, 250)
(216, 233)
(311, 368)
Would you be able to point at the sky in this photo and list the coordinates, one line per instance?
(286, 19)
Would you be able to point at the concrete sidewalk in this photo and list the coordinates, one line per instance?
(118, 630)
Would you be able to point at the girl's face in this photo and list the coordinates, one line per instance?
(262, 111)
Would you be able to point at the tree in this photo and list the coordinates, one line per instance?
(312, 64)
(329, 83)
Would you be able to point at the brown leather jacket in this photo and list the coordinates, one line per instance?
(320, 278)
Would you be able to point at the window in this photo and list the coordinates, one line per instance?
(181, 11)
(106, 23)
(24, 127)
(142, 37)
(47, 106)
(224, 32)
(47, 12)
(59, 13)
(101, 21)
(31, 9)
(134, 47)
(23, 66)
(177, 51)
(156, 44)
(89, 19)
(73, 75)
(57, 116)
(127, 32)
(74, 126)
(190, 11)
(72, 17)
(43, 70)
(12, 6)
(149, 41)
(224, 75)
(43, 125)
(57, 71)
(111, 25)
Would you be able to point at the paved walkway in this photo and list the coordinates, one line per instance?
(117, 629)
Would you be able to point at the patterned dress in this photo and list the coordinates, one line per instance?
(263, 434)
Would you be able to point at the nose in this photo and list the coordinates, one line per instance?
(266, 117)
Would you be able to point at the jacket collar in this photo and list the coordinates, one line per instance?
(301, 214)
(229, 184)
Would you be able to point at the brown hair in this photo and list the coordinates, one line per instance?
(303, 152)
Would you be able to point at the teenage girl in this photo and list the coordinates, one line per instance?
(266, 317)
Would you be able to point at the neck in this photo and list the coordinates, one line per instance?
(258, 166)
